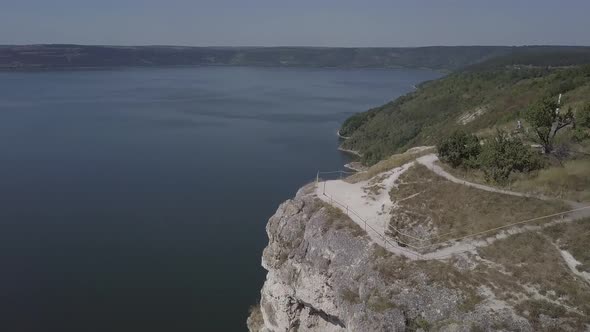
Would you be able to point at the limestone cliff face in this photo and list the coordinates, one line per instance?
(324, 274)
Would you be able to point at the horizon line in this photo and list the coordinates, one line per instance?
(288, 46)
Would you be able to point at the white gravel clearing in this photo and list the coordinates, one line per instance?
(371, 210)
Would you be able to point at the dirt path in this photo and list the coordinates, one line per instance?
(369, 205)
(430, 159)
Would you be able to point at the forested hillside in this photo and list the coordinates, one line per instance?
(76, 56)
(491, 94)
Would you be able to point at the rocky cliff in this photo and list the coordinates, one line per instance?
(325, 274)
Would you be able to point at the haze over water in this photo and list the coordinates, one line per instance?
(136, 199)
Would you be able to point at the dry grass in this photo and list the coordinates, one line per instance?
(393, 268)
(392, 162)
(520, 263)
(444, 273)
(573, 237)
(350, 296)
(533, 309)
(471, 175)
(531, 259)
(572, 181)
(460, 209)
(380, 252)
(380, 303)
(338, 220)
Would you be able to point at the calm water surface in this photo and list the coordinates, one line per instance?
(136, 200)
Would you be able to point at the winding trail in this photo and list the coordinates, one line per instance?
(430, 159)
(369, 205)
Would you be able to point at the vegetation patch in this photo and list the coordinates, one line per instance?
(394, 268)
(380, 252)
(426, 116)
(534, 310)
(380, 303)
(531, 259)
(571, 180)
(436, 272)
(338, 220)
(458, 209)
(447, 275)
(350, 296)
(499, 157)
(460, 149)
(546, 120)
(573, 237)
(417, 324)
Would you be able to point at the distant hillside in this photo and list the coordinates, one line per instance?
(491, 94)
(79, 56)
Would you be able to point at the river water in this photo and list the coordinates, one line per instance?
(136, 199)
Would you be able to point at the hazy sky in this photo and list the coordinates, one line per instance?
(296, 22)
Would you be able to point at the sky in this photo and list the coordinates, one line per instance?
(346, 23)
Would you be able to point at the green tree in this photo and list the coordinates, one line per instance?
(503, 154)
(581, 132)
(546, 121)
(583, 117)
(460, 149)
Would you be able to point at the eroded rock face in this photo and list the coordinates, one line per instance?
(324, 274)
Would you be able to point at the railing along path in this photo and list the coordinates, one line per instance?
(401, 245)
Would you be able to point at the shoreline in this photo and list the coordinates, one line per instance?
(353, 152)
(340, 136)
(356, 166)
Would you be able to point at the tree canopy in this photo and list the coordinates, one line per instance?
(546, 120)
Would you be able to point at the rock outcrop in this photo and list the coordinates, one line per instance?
(325, 274)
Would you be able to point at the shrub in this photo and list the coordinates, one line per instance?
(583, 117)
(354, 122)
(503, 154)
(460, 149)
(580, 134)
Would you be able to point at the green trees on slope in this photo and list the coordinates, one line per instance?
(504, 154)
(582, 121)
(460, 149)
(492, 97)
(583, 118)
(546, 121)
(497, 157)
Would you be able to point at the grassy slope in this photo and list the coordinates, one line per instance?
(429, 200)
(498, 89)
(532, 260)
(569, 180)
